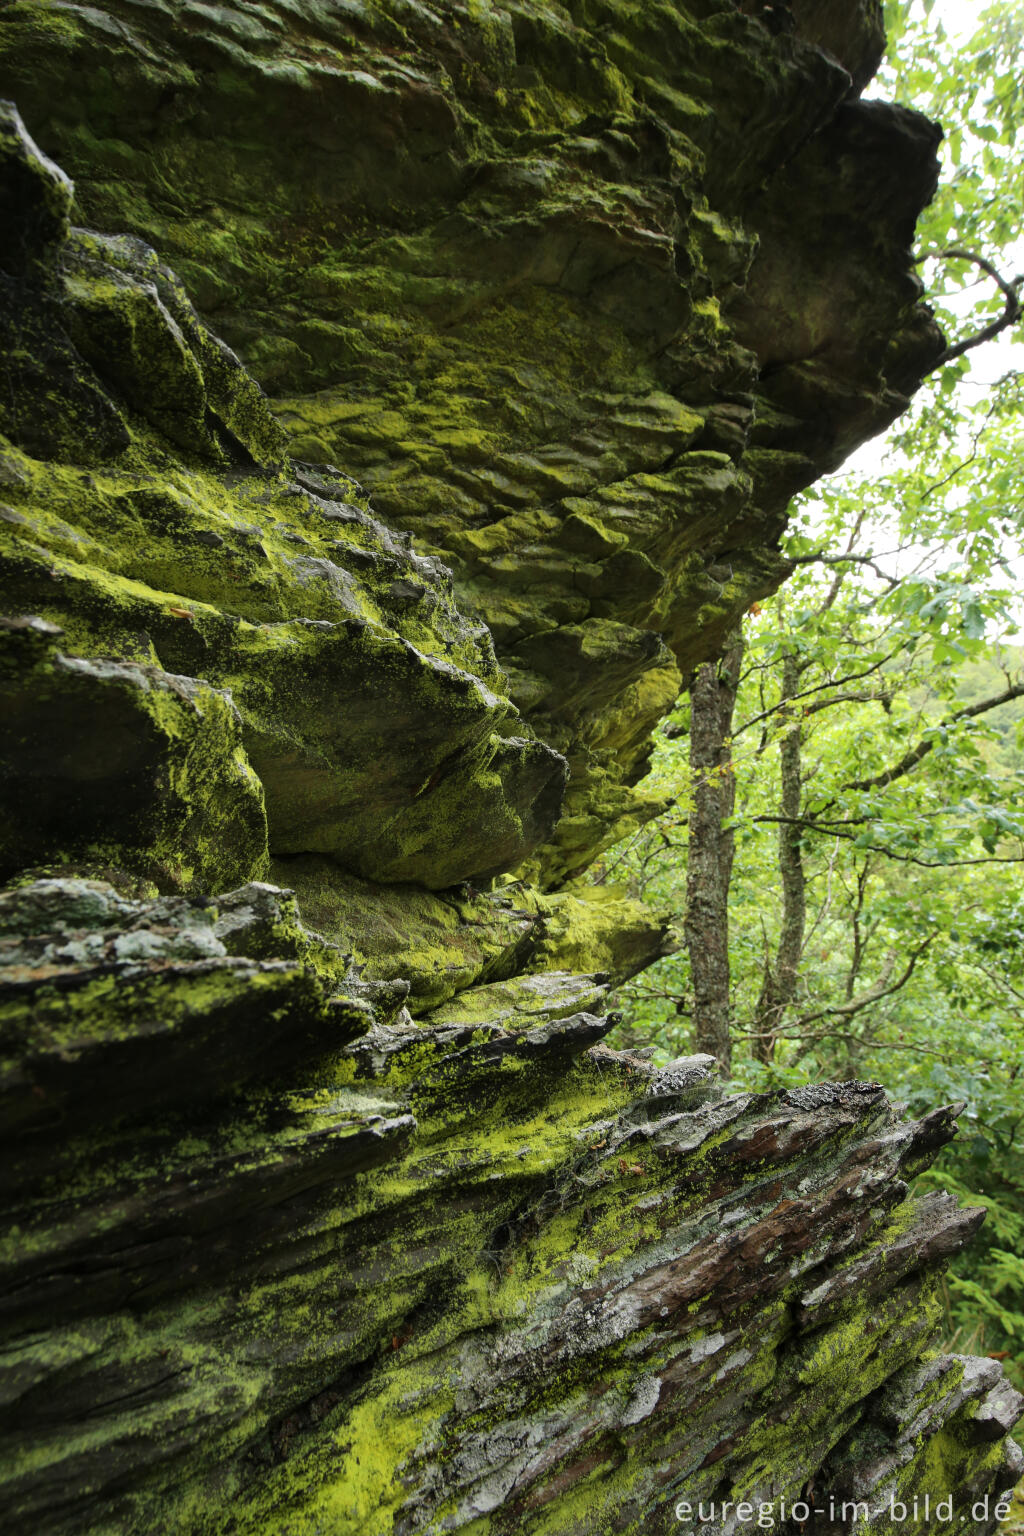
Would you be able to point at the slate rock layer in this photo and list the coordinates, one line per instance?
(418, 403)
(285, 1260)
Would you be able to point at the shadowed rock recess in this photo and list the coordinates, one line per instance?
(328, 1214)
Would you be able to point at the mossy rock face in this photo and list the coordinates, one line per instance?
(373, 744)
(131, 319)
(525, 1001)
(113, 763)
(442, 942)
(373, 711)
(293, 1262)
(580, 292)
(87, 321)
(53, 402)
(36, 198)
(328, 1212)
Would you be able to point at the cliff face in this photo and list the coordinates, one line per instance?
(334, 1217)
(580, 294)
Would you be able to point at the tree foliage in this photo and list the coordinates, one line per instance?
(875, 758)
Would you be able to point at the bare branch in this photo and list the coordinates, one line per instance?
(1011, 301)
(917, 754)
(840, 576)
(822, 559)
(834, 829)
(835, 682)
(860, 942)
(883, 697)
(997, 980)
(939, 485)
(883, 988)
(816, 1036)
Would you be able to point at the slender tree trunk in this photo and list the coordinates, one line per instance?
(710, 848)
(780, 978)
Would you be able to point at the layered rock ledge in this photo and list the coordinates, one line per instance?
(286, 1261)
(581, 293)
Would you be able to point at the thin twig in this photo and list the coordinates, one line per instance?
(832, 829)
(918, 753)
(1011, 298)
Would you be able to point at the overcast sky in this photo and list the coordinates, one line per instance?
(990, 362)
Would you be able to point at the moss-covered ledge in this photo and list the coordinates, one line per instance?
(284, 1261)
(581, 291)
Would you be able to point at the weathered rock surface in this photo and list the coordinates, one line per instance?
(582, 293)
(263, 1279)
(326, 1209)
(110, 762)
(364, 694)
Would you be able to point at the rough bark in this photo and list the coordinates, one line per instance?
(710, 849)
(782, 971)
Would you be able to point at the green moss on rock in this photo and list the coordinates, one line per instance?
(115, 763)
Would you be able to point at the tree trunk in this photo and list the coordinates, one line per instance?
(711, 847)
(780, 979)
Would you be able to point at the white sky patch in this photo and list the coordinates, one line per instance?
(987, 363)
